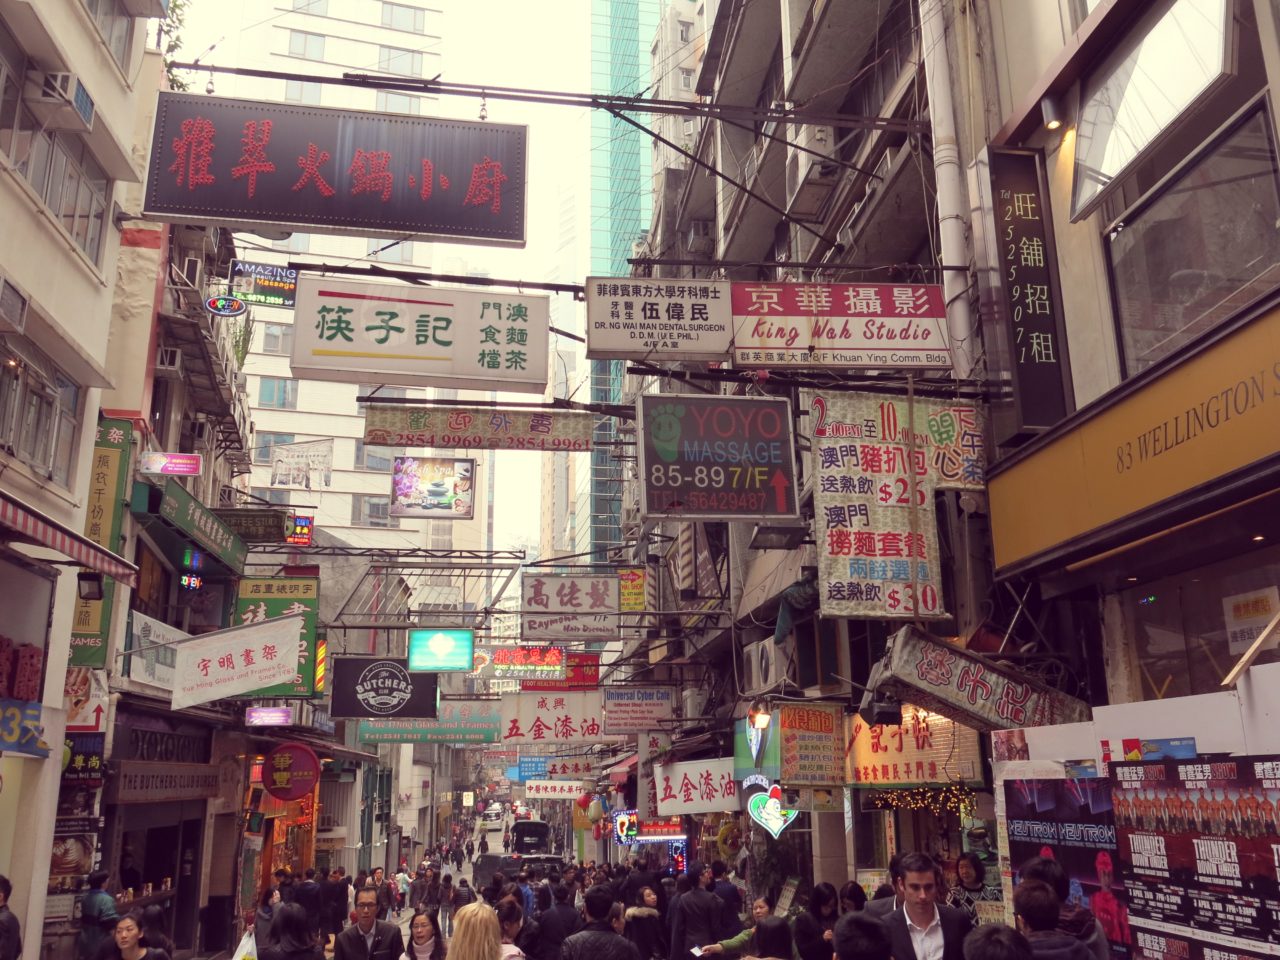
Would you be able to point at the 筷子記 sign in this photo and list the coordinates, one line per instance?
(381, 687)
(715, 458)
(477, 428)
(270, 284)
(568, 606)
(654, 319)
(244, 162)
(357, 331)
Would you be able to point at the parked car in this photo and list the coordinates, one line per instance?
(486, 865)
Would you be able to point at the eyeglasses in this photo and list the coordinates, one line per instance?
(366, 906)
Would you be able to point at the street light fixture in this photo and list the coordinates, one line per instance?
(758, 716)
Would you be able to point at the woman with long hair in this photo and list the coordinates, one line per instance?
(852, 898)
(127, 942)
(425, 942)
(268, 903)
(773, 938)
(813, 928)
(291, 936)
(644, 926)
(476, 935)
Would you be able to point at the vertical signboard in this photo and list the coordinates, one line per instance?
(812, 744)
(264, 598)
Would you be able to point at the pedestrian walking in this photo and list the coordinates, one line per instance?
(425, 940)
(1035, 909)
(98, 916)
(859, 936)
(815, 927)
(599, 940)
(773, 939)
(10, 928)
(645, 928)
(476, 935)
(506, 841)
(446, 905)
(402, 891)
(991, 941)
(386, 893)
(922, 920)
(471, 849)
(127, 942)
(369, 938)
(292, 936)
(484, 845)
(267, 904)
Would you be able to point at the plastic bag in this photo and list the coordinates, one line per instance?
(248, 949)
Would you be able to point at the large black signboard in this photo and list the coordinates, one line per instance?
(717, 458)
(272, 284)
(244, 162)
(376, 687)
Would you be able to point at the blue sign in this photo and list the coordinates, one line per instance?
(21, 730)
(532, 768)
(512, 773)
(441, 651)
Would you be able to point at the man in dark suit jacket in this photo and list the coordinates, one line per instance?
(925, 929)
(881, 908)
(368, 938)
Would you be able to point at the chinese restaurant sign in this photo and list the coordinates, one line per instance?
(921, 669)
(554, 789)
(357, 331)
(264, 598)
(561, 606)
(927, 749)
(878, 461)
(436, 488)
(236, 661)
(569, 717)
(716, 458)
(840, 325)
(459, 721)
(290, 771)
(242, 162)
(271, 284)
(476, 428)
(629, 709)
(103, 513)
(647, 319)
(525, 662)
(696, 786)
(381, 687)
(811, 744)
(581, 672)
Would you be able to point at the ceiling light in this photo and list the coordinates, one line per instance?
(1051, 111)
(1258, 538)
(1132, 579)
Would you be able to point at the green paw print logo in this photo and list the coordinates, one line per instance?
(664, 430)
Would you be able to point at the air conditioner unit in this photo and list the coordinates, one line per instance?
(60, 101)
(193, 272)
(763, 666)
(201, 430)
(13, 308)
(693, 702)
(169, 363)
(701, 239)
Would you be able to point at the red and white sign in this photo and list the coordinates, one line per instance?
(568, 717)
(840, 325)
(554, 789)
(569, 606)
(231, 663)
(290, 771)
(696, 786)
(171, 464)
(85, 697)
(581, 672)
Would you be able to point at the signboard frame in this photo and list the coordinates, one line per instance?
(641, 291)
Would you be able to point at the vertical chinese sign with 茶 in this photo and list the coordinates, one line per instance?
(569, 606)
(264, 598)
(879, 461)
(104, 511)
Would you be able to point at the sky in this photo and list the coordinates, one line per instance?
(504, 43)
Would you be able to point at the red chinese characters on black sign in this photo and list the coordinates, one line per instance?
(242, 161)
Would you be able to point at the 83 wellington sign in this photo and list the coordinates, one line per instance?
(716, 458)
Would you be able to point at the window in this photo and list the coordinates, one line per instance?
(263, 443)
(686, 31)
(278, 393)
(375, 458)
(115, 23)
(294, 243)
(687, 126)
(372, 511)
(319, 7)
(407, 63)
(397, 16)
(39, 409)
(302, 91)
(309, 46)
(277, 338)
(367, 390)
(1203, 246)
(441, 535)
(279, 498)
(390, 251)
(391, 102)
(686, 79)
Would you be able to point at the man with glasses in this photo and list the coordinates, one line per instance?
(368, 938)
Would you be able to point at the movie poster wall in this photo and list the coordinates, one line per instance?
(1199, 843)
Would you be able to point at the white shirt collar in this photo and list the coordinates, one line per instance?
(937, 919)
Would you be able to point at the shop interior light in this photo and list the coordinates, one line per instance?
(89, 585)
(1051, 111)
(1258, 538)
(759, 716)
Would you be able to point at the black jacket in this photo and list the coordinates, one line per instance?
(647, 931)
(558, 924)
(1057, 946)
(597, 941)
(276, 953)
(699, 920)
(955, 927)
(307, 896)
(388, 943)
(807, 932)
(532, 943)
(732, 898)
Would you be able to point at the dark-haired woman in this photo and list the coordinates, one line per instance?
(644, 926)
(972, 888)
(813, 928)
(291, 937)
(127, 942)
(773, 939)
(425, 942)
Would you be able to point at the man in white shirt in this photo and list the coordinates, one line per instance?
(368, 938)
(925, 929)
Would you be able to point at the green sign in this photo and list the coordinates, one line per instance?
(202, 525)
(459, 721)
(756, 751)
(264, 598)
(104, 511)
(441, 650)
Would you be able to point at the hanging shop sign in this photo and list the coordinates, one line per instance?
(525, 662)
(632, 586)
(715, 458)
(458, 721)
(307, 465)
(301, 530)
(478, 428)
(629, 709)
(269, 716)
(632, 318)
(269, 284)
(153, 651)
(764, 805)
(629, 827)
(878, 461)
(235, 662)
(468, 799)
(290, 771)
(581, 672)
(532, 768)
(441, 650)
(756, 751)
(649, 746)
(1246, 615)
(554, 789)
(239, 163)
(569, 606)
(921, 669)
(84, 759)
(696, 786)
(264, 598)
(201, 525)
(85, 697)
(381, 687)
(22, 729)
(155, 464)
(356, 331)
(221, 305)
(434, 488)
(812, 736)
(925, 750)
(568, 717)
(571, 768)
(258, 524)
(91, 621)
(840, 325)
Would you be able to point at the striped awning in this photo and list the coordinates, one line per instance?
(35, 527)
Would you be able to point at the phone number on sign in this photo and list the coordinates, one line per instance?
(693, 501)
(482, 442)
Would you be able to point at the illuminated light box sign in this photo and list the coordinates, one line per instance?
(524, 662)
(270, 284)
(268, 716)
(170, 464)
(629, 827)
(764, 806)
(441, 651)
(302, 531)
(435, 488)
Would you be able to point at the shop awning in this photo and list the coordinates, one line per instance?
(619, 772)
(35, 527)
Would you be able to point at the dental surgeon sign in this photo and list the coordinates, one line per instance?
(717, 458)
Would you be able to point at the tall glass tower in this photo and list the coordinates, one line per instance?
(621, 202)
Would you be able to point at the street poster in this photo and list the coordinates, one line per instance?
(478, 428)
(926, 749)
(270, 284)
(570, 717)
(359, 331)
(523, 662)
(85, 696)
(840, 325)
(569, 606)
(307, 464)
(812, 744)
(712, 457)
(157, 464)
(1246, 615)
(696, 786)
(1071, 821)
(236, 661)
(434, 488)
(878, 462)
(381, 687)
(581, 672)
(262, 598)
(629, 709)
(647, 318)
(459, 721)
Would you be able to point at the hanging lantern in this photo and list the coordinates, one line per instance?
(595, 812)
(596, 831)
(584, 801)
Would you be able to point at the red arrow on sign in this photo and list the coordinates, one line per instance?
(779, 482)
(97, 717)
